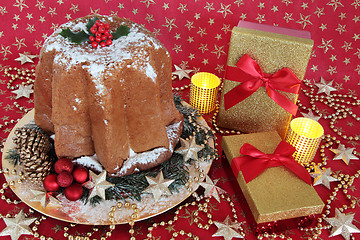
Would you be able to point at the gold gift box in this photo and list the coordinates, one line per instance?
(272, 51)
(277, 193)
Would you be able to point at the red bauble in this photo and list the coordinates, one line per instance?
(80, 174)
(63, 164)
(74, 192)
(64, 179)
(50, 183)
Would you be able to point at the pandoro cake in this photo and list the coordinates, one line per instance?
(114, 101)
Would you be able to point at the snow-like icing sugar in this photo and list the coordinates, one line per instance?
(134, 158)
(150, 156)
(90, 162)
(97, 61)
(150, 72)
(77, 211)
(131, 153)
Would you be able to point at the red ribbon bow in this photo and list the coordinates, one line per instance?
(252, 77)
(255, 162)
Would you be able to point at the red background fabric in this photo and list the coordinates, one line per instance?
(197, 34)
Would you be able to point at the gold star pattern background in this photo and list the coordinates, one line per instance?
(197, 34)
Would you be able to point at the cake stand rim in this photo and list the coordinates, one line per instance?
(27, 119)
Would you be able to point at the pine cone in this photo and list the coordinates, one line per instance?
(33, 147)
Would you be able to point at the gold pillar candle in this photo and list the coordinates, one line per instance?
(304, 134)
(203, 91)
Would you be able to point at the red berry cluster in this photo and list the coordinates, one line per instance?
(67, 176)
(101, 35)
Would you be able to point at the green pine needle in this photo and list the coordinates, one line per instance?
(13, 157)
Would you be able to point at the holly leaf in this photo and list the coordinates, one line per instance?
(121, 31)
(91, 23)
(77, 37)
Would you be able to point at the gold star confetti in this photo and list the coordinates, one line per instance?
(98, 184)
(23, 91)
(211, 190)
(344, 153)
(158, 186)
(189, 149)
(44, 198)
(322, 177)
(15, 227)
(25, 58)
(325, 87)
(311, 115)
(182, 73)
(228, 229)
(342, 224)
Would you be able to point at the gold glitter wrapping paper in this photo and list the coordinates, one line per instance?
(272, 51)
(277, 193)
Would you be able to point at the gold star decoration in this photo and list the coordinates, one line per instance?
(189, 149)
(228, 229)
(98, 185)
(15, 227)
(311, 115)
(23, 91)
(25, 58)
(211, 190)
(158, 186)
(344, 154)
(325, 87)
(342, 224)
(322, 177)
(182, 73)
(44, 198)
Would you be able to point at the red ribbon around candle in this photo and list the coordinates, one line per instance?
(255, 162)
(252, 77)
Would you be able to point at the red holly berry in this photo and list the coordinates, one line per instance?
(102, 44)
(93, 30)
(103, 37)
(110, 36)
(101, 29)
(98, 39)
(63, 164)
(107, 26)
(94, 44)
(108, 42)
(98, 34)
(92, 38)
(97, 22)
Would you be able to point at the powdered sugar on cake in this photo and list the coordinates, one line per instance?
(134, 159)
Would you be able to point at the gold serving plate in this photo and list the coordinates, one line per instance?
(77, 212)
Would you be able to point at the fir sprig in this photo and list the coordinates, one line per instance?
(13, 157)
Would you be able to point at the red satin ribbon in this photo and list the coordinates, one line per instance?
(252, 77)
(255, 162)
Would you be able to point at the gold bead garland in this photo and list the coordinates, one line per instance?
(10, 184)
(182, 88)
(203, 207)
(21, 108)
(335, 101)
(22, 74)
